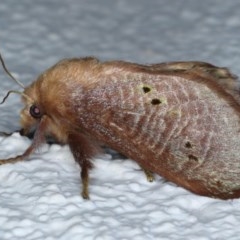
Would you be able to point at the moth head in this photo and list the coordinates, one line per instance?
(38, 105)
(50, 97)
(32, 112)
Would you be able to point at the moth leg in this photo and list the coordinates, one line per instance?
(149, 175)
(12, 160)
(7, 134)
(38, 139)
(85, 180)
(83, 151)
(19, 158)
(20, 131)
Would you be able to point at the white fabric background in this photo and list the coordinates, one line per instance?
(40, 199)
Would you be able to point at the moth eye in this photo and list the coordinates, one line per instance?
(35, 112)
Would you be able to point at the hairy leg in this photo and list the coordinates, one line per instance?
(83, 150)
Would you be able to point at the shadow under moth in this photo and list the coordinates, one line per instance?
(180, 120)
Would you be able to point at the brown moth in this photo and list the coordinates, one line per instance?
(180, 120)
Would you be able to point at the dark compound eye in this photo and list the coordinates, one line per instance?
(35, 112)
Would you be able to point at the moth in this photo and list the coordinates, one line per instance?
(180, 120)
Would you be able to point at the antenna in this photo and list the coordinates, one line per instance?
(9, 74)
(13, 91)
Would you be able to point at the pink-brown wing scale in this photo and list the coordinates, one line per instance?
(182, 126)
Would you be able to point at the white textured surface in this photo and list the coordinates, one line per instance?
(40, 199)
